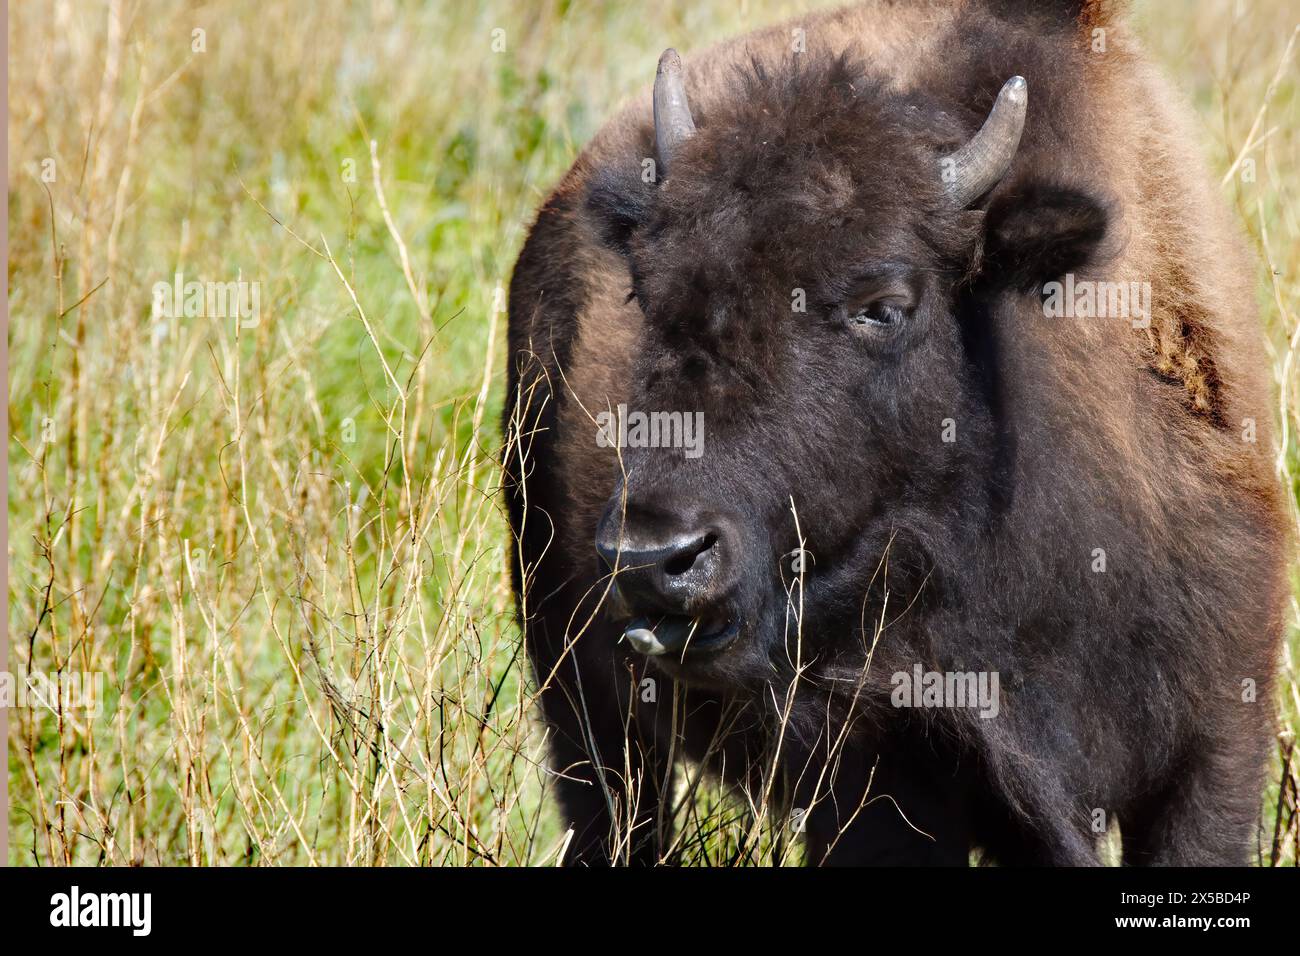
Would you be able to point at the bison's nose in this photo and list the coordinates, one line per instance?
(676, 573)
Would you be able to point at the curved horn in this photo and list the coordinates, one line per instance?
(975, 168)
(673, 123)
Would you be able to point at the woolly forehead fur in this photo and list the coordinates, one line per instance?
(806, 172)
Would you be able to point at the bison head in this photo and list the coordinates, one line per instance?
(815, 257)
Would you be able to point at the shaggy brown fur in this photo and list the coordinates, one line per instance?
(1122, 689)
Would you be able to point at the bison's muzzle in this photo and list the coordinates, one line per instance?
(677, 586)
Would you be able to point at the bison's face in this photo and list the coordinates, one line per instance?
(812, 354)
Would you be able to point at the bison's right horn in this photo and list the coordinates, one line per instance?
(973, 170)
(673, 123)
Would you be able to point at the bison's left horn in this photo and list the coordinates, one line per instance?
(977, 167)
(673, 123)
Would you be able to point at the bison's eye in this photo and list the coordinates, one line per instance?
(880, 317)
(876, 305)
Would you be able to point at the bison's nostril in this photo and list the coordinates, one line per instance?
(679, 564)
(684, 560)
(662, 567)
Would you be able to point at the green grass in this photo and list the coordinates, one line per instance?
(331, 676)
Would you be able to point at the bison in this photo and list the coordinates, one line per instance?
(981, 553)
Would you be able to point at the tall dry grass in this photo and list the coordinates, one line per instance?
(280, 541)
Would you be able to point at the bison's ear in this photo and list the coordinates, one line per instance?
(617, 203)
(1036, 232)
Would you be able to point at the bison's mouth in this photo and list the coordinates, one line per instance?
(681, 635)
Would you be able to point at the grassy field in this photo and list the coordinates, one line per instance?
(279, 538)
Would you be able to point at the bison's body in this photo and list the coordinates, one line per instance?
(1082, 507)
